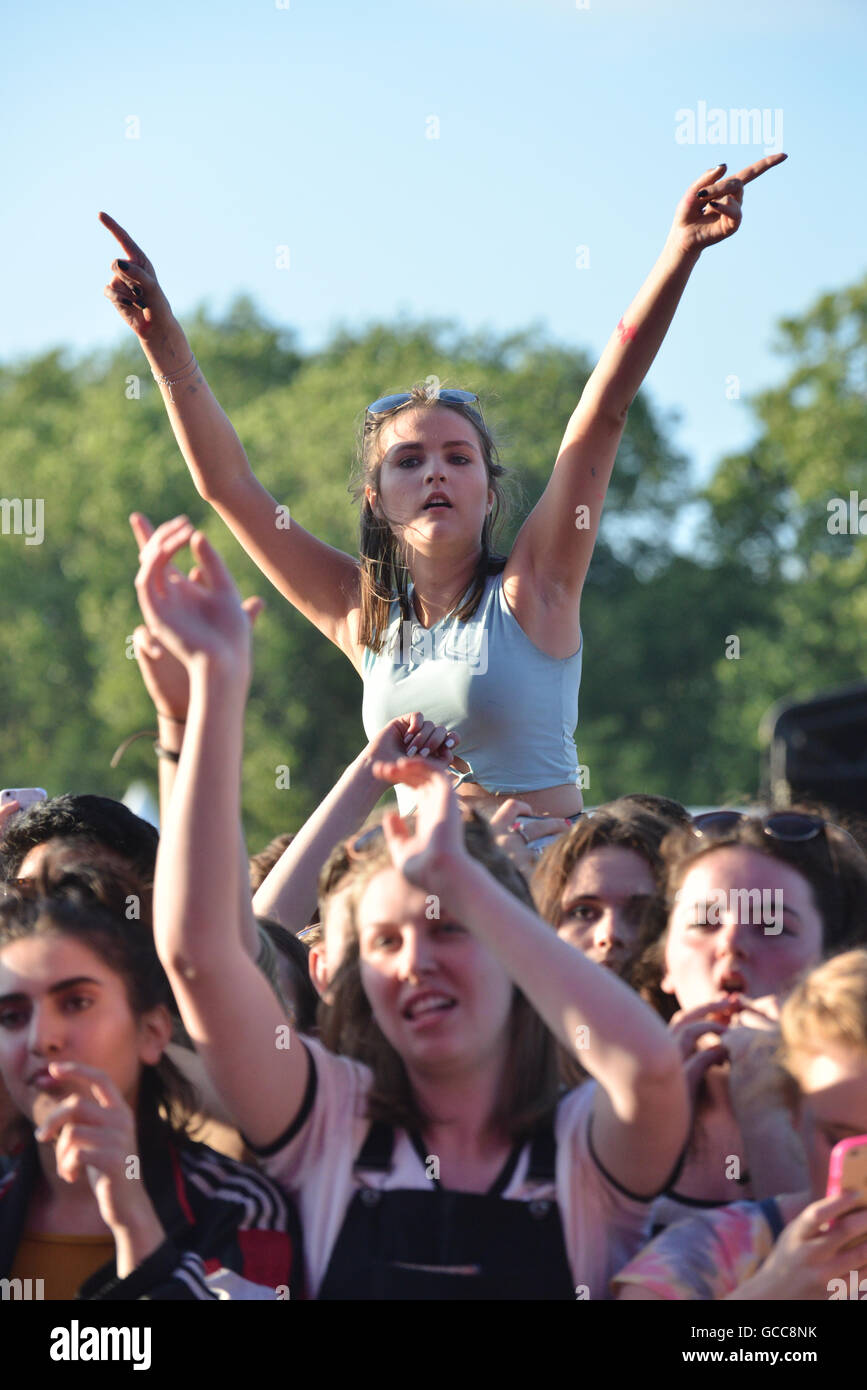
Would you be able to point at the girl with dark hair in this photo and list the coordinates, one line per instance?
(106, 1196)
(431, 617)
(435, 1158)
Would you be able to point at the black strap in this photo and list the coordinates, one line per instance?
(772, 1214)
(543, 1155)
(376, 1151)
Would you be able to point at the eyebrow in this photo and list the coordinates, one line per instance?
(419, 444)
(596, 897)
(55, 989)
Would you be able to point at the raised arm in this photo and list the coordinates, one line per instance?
(227, 1006)
(641, 1111)
(288, 894)
(318, 580)
(552, 552)
(166, 681)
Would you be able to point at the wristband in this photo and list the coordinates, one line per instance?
(162, 752)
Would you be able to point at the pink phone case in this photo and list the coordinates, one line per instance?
(847, 1170)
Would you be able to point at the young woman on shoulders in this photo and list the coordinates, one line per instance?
(429, 616)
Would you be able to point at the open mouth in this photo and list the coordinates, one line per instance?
(427, 1005)
(733, 983)
(434, 503)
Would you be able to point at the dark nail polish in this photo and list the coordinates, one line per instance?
(702, 193)
(124, 265)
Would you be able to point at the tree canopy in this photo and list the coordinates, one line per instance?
(667, 704)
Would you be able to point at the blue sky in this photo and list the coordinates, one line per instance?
(308, 126)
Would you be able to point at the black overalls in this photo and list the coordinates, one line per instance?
(415, 1244)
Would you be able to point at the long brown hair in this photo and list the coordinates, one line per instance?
(529, 1087)
(620, 824)
(609, 827)
(384, 572)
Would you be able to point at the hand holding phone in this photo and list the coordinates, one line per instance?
(25, 796)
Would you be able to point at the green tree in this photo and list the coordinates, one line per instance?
(770, 515)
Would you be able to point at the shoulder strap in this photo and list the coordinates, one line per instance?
(542, 1167)
(772, 1214)
(376, 1151)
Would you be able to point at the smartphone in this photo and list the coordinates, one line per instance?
(847, 1170)
(25, 796)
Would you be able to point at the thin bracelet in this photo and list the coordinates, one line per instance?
(165, 752)
(172, 717)
(175, 377)
(119, 751)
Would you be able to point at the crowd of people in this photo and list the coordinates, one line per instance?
(486, 1045)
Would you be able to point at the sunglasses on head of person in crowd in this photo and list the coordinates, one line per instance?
(788, 827)
(791, 826)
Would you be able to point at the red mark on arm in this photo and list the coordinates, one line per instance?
(627, 332)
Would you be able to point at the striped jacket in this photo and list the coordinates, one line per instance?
(230, 1233)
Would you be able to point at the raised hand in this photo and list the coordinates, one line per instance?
(426, 853)
(134, 289)
(164, 675)
(196, 615)
(711, 209)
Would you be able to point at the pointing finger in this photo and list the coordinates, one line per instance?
(130, 248)
(754, 171)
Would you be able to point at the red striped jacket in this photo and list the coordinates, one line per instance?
(230, 1232)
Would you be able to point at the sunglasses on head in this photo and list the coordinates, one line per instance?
(449, 395)
(793, 827)
(369, 839)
